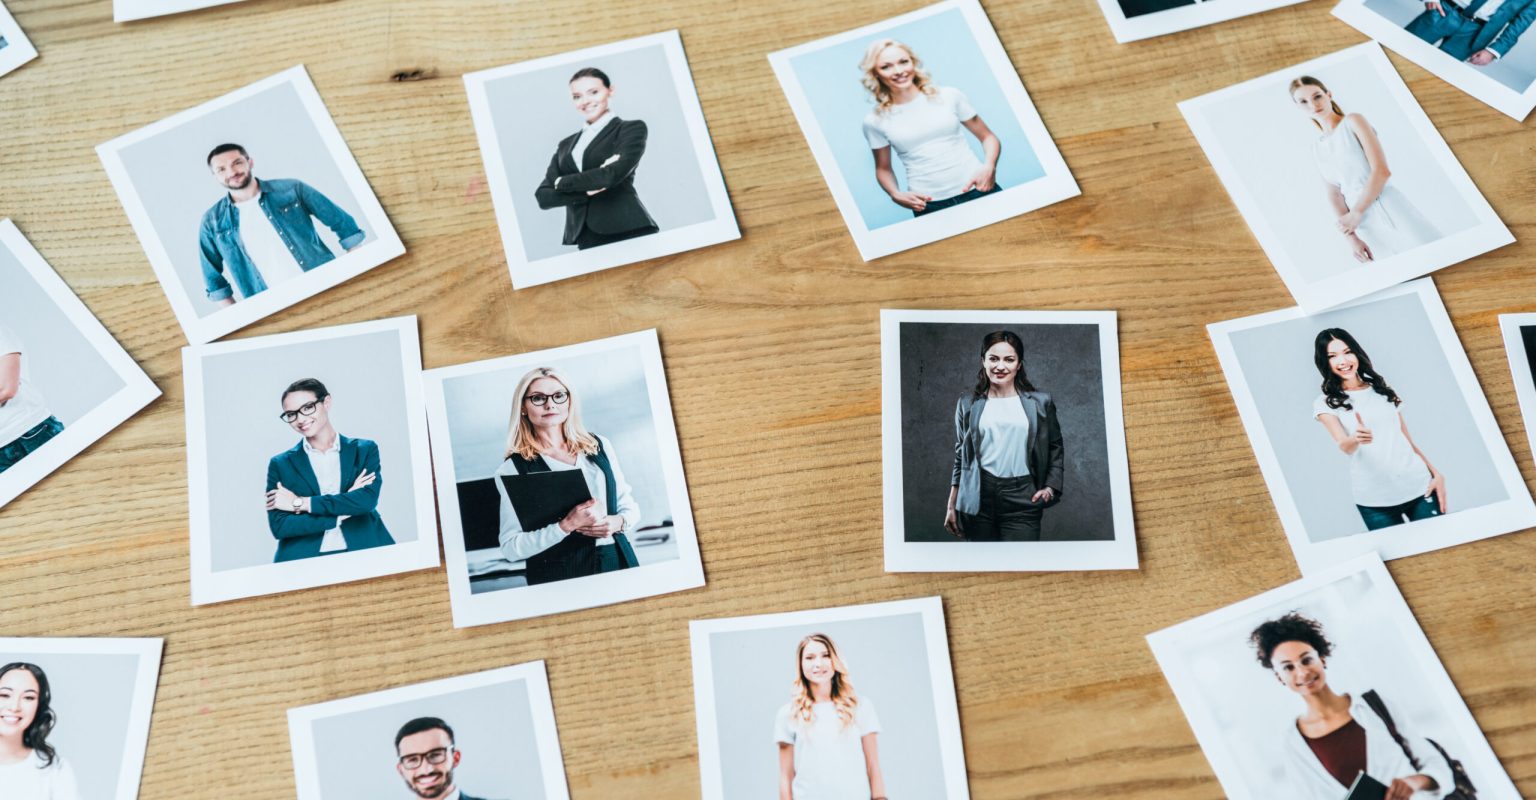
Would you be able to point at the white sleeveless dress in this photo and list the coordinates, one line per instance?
(1393, 224)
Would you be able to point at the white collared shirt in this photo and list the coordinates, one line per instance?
(592, 129)
(326, 465)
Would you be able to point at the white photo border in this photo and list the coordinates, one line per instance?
(1520, 369)
(1167, 644)
(904, 556)
(145, 683)
(1055, 185)
(1516, 512)
(525, 273)
(946, 710)
(19, 49)
(1315, 296)
(301, 720)
(348, 265)
(686, 572)
(137, 392)
(209, 586)
(129, 10)
(1181, 18)
(1516, 105)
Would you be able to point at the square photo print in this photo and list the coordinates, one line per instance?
(1327, 689)
(1004, 442)
(1370, 428)
(1478, 46)
(248, 204)
(560, 482)
(598, 158)
(484, 736)
(64, 381)
(307, 460)
(1131, 20)
(915, 116)
(1342, 177)
(851, 703)
(15, 48)
(74, 716)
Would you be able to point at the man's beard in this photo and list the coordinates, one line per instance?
(243, 184)
(437, 790)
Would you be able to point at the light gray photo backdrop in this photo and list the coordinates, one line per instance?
(939, 362)
(887, 659)
(242, 399)
(533, 112)
(1270, 143)
(93, 695)
(1396, 333)
(492, 725)
(171, 176)
(57, 359)
(1369, 653)
(615, 403)
(1516, 69)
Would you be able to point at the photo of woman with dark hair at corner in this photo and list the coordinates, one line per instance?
(30, 767)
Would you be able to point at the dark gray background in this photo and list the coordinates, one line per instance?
(939, 361)
(93, 695)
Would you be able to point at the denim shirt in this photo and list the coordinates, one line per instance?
(289, 204)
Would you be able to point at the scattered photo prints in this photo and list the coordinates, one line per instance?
(15, 48)
(64, 381)
(129, 10)
(1036, 480)
(307, 460)
(248, 204)
(1301, 152)
(598, 158)
(1520, 346)
(1370, 428)
(1131, 20)
(528, 531)
(81, 708)
(898, 168)
(850, 702)
(1264, 682)
(484, 736)
(1482, 47)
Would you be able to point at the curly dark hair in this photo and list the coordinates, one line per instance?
(36, 734)
(1292, 627)
(1333, 385)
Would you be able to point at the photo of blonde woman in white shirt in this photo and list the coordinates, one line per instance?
(827, 733)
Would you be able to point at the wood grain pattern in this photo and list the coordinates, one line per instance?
(771, 347)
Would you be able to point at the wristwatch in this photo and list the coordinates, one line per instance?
(298, 503)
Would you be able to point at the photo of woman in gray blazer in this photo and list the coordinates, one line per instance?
(1008, 450)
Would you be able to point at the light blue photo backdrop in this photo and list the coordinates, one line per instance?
(948, 49)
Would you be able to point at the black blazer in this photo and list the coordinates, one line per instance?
(616, 209)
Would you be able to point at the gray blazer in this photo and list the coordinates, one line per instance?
(1045, 448)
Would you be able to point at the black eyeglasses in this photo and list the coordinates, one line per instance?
(437, 756)
(308, 410)
(559, 398)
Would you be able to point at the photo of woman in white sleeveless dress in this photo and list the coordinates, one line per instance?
(1376, 219)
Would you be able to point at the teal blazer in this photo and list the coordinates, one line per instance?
(299, 535)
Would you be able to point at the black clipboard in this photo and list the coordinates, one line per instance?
(1366, 788)
(544, 498)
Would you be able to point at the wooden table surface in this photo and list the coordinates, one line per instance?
(771, 346)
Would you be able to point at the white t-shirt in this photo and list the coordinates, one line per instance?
(1385, 472)
(1005, 437)
(28, 779)
(264, 246)
(930, 141)
(27, 409)
(829, 759)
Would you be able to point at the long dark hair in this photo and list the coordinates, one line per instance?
(36, 734)
(1333, 385)
(1012, 339)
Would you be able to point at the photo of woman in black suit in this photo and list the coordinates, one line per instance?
(1008, 450)
(592, 174)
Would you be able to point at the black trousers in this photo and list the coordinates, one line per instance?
(589, 238)
(951, 202)
(1007, 514)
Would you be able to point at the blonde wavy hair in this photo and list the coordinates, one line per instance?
(520, 438)
(871, 79)
(843, 696)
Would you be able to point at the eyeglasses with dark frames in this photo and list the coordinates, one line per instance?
(437, 756)
(558, 398)
(307, 410)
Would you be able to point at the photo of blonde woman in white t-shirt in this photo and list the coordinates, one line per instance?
(926, 124)
(1392, 481)
(827, 733)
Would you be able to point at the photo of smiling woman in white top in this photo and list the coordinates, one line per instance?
(826, 734)
(30, 768)
(1392, 481)
(926, 125)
